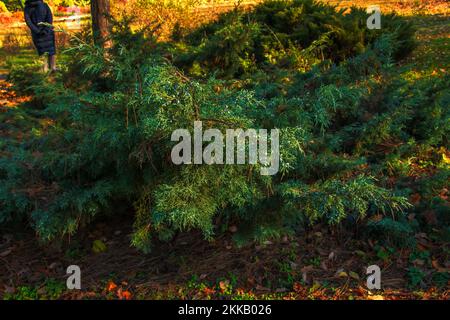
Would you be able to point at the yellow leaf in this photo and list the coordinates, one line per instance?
(445, 158)
(375, 297)
(354, 275)
(98, 246)
(360, 253)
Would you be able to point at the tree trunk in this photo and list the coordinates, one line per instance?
(100, 25)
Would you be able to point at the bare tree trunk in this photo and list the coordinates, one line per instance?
(100, 25)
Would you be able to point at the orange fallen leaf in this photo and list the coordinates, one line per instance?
(223, 285)
(240, 291)
(123, 294)
(111, 286)
(126, 295)
(208, 291)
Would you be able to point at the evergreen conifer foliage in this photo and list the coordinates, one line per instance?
(109, 144)
(287, 34)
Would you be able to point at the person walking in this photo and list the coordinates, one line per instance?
(37, 14)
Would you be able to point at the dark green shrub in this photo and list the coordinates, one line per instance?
(110, 147)
(293, 34)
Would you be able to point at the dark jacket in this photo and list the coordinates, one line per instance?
(37, 11)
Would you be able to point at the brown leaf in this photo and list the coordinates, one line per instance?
(251, 281)
(54, 265)
(5, 253)
(305, 277)
(307, 268)
(415, 198)
(418, 262)
(430, 217)
(261, 288)
(377, 218)
(10, 290)
(443, 194)
(332, 256)
(8, 238)
(435, 264)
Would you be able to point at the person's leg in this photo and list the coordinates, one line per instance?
(46, 65)
(52, 62)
